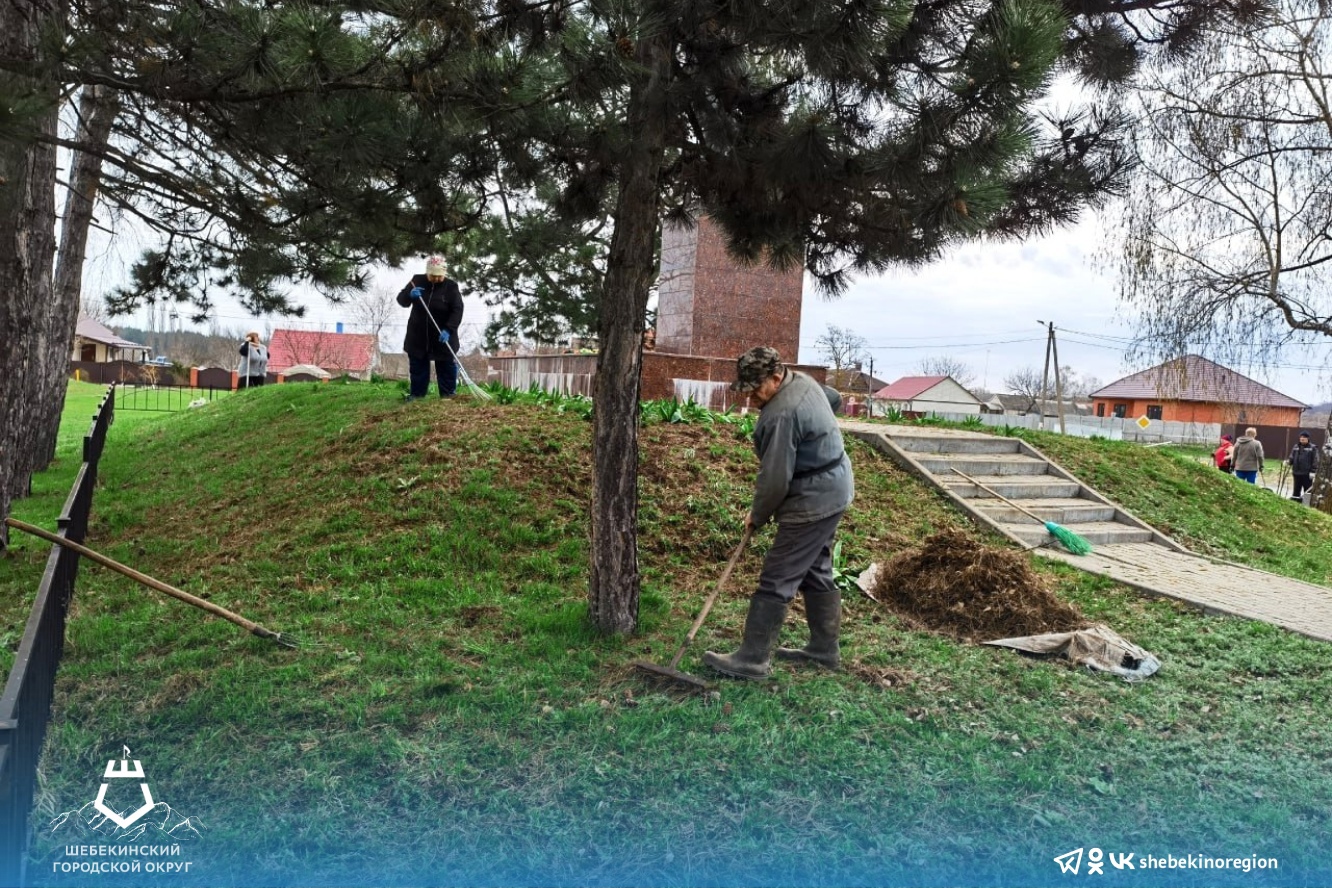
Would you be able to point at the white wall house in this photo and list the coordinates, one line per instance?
(926, 394)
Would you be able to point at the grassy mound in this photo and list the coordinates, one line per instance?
(453, 720)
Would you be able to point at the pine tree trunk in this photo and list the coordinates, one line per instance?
(614, 588)
(27, 245)
(98, 107)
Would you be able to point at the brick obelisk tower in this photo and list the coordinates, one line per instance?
(709, 304)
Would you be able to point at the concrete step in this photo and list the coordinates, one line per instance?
(983, 464)
(1098, 533)
(935, 443)
(1069, 511)
(1014, 487)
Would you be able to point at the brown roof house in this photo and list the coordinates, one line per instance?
(95, 342)
(1194, 389)
(919, 395)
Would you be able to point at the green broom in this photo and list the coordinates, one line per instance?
(1070, 540)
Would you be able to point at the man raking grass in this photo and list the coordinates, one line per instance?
(805, 483)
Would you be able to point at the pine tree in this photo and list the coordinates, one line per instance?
(848, 137)
(28, 107)
(295, 142)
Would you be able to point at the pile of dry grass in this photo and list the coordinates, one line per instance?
(961, 587)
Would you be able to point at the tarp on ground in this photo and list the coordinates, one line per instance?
(1097, 647)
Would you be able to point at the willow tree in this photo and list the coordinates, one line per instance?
(1226, 225)
(1225, 240)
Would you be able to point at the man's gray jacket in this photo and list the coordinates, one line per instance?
(804, 473)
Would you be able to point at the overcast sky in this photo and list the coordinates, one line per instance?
(980, 304)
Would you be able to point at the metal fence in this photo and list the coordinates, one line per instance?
(1152, 432)
(163, 398)
(25, 706)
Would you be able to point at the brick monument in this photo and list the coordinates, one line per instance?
(708, 304)
(710, 309)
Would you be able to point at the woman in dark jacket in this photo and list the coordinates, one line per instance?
(432, 329)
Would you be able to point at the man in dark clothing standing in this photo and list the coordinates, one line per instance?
(432, 329)
(805, 482)
(1303, 464)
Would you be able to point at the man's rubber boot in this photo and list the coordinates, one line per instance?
(754, 658)
(823, 612)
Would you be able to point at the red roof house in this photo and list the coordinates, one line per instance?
(927, 394)
(1194, 389)
(355, 354)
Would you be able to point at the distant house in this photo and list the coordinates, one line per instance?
(96, 343)
(353, 354)
(1194, 389)
(926, 394)
(854, 381)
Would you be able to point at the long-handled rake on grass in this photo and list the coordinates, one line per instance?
(672, 671)
(1070, 540)
(248, 625)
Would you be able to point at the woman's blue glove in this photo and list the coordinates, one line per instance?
(417, 292)
(444, 336)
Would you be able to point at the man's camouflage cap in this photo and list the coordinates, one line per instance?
(754, 366)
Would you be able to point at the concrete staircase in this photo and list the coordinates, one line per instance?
(1015, 470)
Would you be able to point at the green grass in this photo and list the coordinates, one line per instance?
(22, 565)
(454, 720)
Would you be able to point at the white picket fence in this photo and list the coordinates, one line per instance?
(1157, 431)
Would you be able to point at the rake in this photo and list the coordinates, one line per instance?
(1070, 540)
(249, 625)
(672, 671)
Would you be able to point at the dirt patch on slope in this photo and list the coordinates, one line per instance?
(958, 586)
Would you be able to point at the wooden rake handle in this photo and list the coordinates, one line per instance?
(707, 605)
(999, 496)
(248, 625)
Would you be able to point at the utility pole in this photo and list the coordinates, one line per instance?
(1059, 387)
(869, 388)
(1045, 375)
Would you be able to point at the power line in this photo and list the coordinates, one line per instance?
(937, 346)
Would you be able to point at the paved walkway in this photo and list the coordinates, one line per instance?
(1214, 586)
